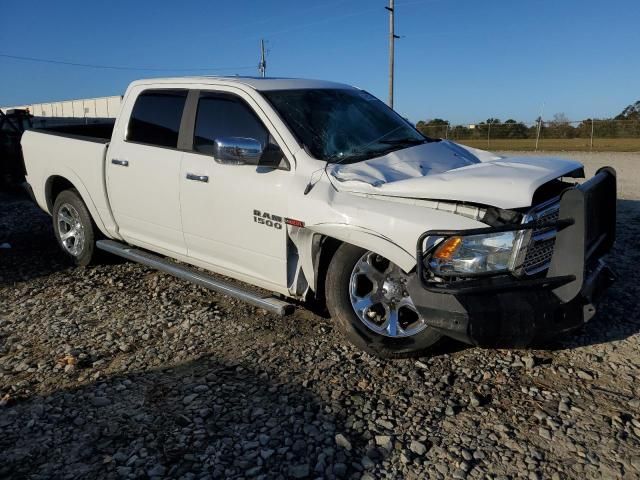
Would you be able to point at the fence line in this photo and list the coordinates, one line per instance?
(534, 135)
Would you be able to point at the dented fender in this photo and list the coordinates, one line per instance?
(387, 226)
(369, 240)
(308, 242)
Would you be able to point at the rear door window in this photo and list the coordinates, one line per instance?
(156, 117)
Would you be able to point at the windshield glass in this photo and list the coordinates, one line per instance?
(343, 125)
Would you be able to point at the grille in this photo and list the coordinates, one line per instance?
(540, 249)
(538, 256)
(547, 216)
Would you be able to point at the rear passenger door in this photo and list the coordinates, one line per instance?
(143, 172)
(233, 215)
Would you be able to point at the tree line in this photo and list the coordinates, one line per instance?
(624, 125)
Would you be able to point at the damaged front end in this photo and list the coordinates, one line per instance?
(554, 276)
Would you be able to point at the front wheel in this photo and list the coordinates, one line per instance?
(367, 296)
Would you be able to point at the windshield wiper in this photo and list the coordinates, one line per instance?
(404, 141)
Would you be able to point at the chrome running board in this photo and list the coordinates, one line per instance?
(269, 303)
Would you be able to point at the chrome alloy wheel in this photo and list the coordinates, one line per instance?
(379, 297)
(70, 229)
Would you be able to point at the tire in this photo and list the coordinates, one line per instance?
(70, 214)
(369, 335)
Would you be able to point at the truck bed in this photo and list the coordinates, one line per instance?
(75, 153)
(93, 132)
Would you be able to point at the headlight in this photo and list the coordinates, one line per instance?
(474, 254)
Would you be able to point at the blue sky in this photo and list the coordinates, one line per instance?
(462, 60)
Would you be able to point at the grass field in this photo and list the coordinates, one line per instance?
(558, 144)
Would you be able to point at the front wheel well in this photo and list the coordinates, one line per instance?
(328, 248)
(55, 186)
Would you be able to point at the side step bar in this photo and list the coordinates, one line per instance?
(271, 304)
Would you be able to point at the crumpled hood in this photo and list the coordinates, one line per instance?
(448, 171)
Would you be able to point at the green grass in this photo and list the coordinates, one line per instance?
(558, 144)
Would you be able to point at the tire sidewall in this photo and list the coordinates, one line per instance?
(72, 198)
(341, 310)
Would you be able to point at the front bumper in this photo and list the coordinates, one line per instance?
(506, 311)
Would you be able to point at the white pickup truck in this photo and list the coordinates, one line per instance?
(308, 189)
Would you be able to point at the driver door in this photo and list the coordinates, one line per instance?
(233, 215)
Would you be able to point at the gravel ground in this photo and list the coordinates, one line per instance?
(118, 371)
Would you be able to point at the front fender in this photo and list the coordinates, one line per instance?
(369, 240)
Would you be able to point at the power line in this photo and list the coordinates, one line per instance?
(298, 26)
(118, 67)
(270, 20)
(333, 18)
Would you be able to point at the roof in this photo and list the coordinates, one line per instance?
(257, 83)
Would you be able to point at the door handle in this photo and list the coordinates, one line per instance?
(197, 178)
(122, 163)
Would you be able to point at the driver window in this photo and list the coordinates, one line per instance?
(219, 116)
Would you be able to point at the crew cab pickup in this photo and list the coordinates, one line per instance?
(307, 188)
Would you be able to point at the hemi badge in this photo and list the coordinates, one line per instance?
(294, 223)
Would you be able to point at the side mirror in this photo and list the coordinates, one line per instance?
(237, 150)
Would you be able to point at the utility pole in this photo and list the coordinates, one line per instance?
(392, 38)
(538, 131)
(262, 66)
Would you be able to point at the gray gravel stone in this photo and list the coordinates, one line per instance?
(156, 471)
(417, 447)
(474, 399)
(384, 441)
(544, 433)
(100, 401)
(529, 361)
(209, 387)
(342, 441)
(299, 471)
(585, 375)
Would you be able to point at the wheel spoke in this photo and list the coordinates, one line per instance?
(366, 268)
(392, 325)
(377, 297)
(78, 245)
(361, 304)
(71, 233)
(63, 217)
(406, 302)
(390, 269)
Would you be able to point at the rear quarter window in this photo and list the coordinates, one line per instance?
(156, 116)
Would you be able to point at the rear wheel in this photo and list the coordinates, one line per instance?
(74, 228)
(367, 296)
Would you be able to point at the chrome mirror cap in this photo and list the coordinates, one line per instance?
(237, 150)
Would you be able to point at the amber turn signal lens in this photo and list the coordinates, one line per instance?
(446, 250)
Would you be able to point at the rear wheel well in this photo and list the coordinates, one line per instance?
(54, 187)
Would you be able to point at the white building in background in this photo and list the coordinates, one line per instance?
(101, 107)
